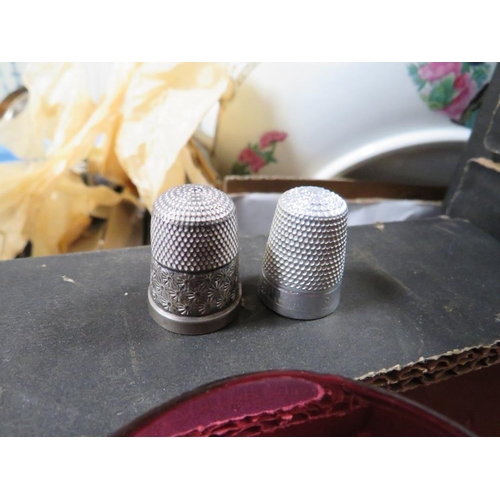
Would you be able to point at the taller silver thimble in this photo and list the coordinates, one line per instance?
(194, 286)
(305, 254)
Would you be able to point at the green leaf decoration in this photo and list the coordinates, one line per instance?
(413, 72)
(268, 157)
(442, 94)
(240, 169)
(465, 67)
(469, 117)
(412, 69)
(480, 75)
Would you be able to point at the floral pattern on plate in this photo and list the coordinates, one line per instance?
(256, 156)
(453, 88)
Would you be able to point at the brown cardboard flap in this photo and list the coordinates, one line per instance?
(349, 189)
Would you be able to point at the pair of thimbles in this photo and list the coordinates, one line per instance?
(195, 287)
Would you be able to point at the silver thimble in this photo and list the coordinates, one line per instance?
(194, 286)
(305, 254)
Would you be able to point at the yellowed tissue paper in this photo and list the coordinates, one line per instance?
(135, 137)
(163, 106)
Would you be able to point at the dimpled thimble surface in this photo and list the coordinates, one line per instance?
(305, 254)
(194, 286)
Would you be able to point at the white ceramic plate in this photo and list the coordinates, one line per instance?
(336, 117)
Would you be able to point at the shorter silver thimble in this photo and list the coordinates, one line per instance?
(305, 254)
(194, 286)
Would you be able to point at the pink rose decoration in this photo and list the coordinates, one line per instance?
(436, 70)
(256, 156)
(269, 137)
(466, 90)
(452, 88)
(252, 159)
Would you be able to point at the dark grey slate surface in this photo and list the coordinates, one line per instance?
(79, 354)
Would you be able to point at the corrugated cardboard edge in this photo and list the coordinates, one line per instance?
(434, 369)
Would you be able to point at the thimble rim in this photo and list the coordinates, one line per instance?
(296, 304)
(194, 325)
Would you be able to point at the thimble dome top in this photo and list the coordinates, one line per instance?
(307, 242)
(312, 202)
(193, 229)
(193, 204)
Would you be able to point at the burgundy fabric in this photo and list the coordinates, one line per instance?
(291, 403)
